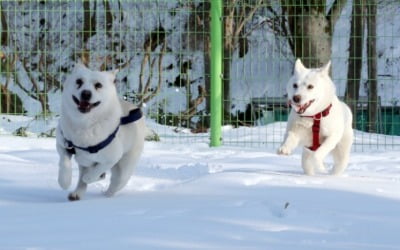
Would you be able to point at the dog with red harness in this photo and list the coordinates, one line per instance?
(318, 120)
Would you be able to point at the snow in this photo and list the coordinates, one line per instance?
(184, 194)
(197, 197)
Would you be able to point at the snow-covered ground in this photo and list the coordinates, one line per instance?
(190, 196)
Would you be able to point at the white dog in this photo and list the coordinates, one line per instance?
(102, 131)
(318, 120)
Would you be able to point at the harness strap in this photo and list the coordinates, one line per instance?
(316, 127)
(133, 116)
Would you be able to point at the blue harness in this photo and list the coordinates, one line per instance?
(133, 116)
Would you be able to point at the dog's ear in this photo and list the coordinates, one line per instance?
(79, 65)
(325, 69)
(113, 74)
(114, 71)
(298, 66)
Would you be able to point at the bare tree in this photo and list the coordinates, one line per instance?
(10, 102)
(145, 92)
(109, 19)
(4, 27)
(355, 56)
(207, 57)
(89, 29)
(372, 67)
(311, 28)
(236, 15)
(37, 92)
(89, 21)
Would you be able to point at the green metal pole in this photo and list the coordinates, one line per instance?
(216, 72)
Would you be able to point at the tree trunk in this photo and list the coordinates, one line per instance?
(355, 57)
(5, 98)
(89, 21)
(109, 19)
(311, 31)
(228, 48)
(10, 102)
(372, 66)
(207, 60)
(4, 27)
(4, 94)
(226, 83)
(44, 102)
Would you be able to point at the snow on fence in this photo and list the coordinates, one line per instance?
(163, 50)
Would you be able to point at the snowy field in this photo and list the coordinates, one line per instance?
(196, 197)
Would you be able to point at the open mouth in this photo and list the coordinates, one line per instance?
(84, 106)
(300, 109)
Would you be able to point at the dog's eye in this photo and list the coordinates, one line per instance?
(295, 86)
(98, 85)
(310, 86)
(79, 82)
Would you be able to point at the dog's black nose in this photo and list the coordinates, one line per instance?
(297, 98)
(86, 95)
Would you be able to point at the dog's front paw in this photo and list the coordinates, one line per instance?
(284, 150)
(74, 196)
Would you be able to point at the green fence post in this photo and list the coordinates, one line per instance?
(216, 72)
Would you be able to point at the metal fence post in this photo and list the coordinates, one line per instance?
(216, 72)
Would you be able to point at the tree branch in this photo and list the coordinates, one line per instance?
(249, 16)
(19, 84)
(142, 67)
(157, 89)
(195, 103)
(51, 81)
(4, 27)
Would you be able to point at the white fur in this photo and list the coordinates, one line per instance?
(336, 133)
(88, 129)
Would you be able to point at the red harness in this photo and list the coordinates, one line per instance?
(316, 127)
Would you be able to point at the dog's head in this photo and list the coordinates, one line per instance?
(310, 90)
(86, 91)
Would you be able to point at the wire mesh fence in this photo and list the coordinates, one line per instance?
(162, 49)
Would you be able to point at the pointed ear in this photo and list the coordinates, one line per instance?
(79, 65)
(114, 71)
(298, 66)
(112, 74)
(325, 69)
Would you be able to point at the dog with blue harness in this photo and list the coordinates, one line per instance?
(101, 131)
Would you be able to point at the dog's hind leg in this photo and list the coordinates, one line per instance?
(119, 178)
(307, 162)
(121, 173)
(341, 153)
(115, 180)
(81, 187)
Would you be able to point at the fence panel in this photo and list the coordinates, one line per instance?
(162, 49)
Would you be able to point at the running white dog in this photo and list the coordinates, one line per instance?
(318, 120)
(102, 131)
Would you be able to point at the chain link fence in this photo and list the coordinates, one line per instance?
(162, 49)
